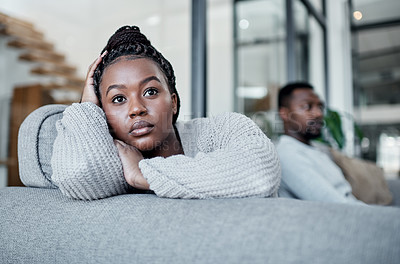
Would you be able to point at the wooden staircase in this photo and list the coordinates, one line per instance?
(46, 63)
(46, 60)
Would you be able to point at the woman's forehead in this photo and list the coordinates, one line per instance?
(132, 68)
(139, 63)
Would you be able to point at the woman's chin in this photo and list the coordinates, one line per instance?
(148, 147)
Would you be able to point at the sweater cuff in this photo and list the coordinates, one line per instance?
(161, 184)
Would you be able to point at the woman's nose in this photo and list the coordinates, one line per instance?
(137, 108)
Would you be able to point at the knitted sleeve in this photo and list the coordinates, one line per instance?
(85, 160)
(235, 159)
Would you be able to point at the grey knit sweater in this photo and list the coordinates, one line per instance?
(226, 156)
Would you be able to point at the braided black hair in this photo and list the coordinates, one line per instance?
(129, 41)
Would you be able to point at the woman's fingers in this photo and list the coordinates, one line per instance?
(89, 94)
(104, 54)
(94, 65)
(117, 142)
(130, 158)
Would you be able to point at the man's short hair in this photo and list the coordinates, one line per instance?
(286, 92)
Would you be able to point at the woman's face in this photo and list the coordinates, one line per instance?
(137, 102)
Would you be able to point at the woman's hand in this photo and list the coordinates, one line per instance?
(130, 158)
(89, 94)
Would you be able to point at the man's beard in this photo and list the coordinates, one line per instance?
(311, 136)
(314, 129)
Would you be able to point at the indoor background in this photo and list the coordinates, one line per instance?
(348, 49)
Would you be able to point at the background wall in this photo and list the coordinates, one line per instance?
(80, 30)
(339, 61)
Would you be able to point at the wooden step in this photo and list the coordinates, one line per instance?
(18, 31)
(5, 19)
(42, 56)
(70, 79)
(22, 33)
(51, 86)
(63, 86)
(11, 26)
(61, 68)
(30, 44)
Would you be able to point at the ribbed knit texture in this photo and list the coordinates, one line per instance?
(225, 156)
(85, 160)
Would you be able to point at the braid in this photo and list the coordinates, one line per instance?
(127, 34)
(129, 41)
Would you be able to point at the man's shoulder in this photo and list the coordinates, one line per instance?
(290, 146)
(286, 142)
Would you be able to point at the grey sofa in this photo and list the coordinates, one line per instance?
(40, 225)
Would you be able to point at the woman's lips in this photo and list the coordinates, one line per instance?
(141, 128)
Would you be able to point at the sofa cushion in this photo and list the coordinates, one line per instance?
(366, 179)
(42, 226)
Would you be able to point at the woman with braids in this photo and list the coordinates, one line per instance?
(124, 136)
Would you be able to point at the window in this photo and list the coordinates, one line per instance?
(376, 79)
(273, 44)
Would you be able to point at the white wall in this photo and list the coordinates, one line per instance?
(339, 66)
(220, 94)
(80, 29)
(316, 67)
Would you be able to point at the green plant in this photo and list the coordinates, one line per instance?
(334, 129)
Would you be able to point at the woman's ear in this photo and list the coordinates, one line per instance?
(174, 103)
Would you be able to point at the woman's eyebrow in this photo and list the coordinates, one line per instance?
(115, 86)
(148, 79)
(120, 86)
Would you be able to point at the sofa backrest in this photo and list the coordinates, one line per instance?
(35, 145)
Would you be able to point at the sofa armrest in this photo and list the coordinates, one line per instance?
(394, 187)
(35, 145)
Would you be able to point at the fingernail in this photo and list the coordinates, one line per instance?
(104, 54)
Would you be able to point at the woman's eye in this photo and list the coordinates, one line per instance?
(118, 99)
(150, 92)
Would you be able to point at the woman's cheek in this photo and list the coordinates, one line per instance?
(113, 122)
